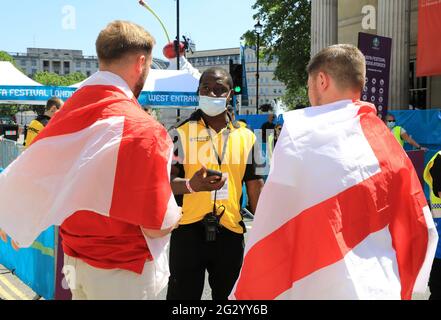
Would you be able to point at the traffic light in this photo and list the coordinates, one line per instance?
(236, 72)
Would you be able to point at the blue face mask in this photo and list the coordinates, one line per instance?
(391, 124)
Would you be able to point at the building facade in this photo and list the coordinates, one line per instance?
(62, 62)
(270, 89)
(397, 19)
(205, 59)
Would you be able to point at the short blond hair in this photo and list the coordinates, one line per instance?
(344, 63)
(120, 38)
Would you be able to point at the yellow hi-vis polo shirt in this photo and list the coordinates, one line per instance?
(34, 128)
(194, 148)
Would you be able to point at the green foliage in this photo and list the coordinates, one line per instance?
(6, 57)
(295, 98)
(8, 110)
(13, 109)
(286, 37)
(53, 79)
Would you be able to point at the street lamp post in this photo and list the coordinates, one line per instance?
(258, 29)
(177, 49)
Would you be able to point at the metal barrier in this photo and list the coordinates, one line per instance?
(9, 151)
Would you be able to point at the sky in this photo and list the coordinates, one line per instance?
(75, 24)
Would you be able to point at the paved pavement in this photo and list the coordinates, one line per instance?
(12, 288)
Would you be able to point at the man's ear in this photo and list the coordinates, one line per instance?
(141, 61)
(323, 80)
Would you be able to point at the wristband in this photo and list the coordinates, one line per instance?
(187, 184)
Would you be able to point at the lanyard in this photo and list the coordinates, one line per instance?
(224, 149)
(219, 160)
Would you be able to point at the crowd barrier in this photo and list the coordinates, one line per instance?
(9, 151)
(36, 266)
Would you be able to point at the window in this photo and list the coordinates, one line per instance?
(78, 64)
(418, 89)
(66, 66)
(34, 62)
(23, 62)
(87, 64)
(46, 65)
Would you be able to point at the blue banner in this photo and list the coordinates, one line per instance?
(177, 99)
(35, 266)
(423, 125)
(34, 93)
(44, 93)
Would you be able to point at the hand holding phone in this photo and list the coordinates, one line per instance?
(207, 180)
(211, 173)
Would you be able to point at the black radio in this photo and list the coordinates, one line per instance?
(211, 224)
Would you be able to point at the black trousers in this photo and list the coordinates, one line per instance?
(435, 280)
(191, 256)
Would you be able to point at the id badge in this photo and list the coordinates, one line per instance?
(223, 193)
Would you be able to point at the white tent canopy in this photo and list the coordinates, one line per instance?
(17, 88)
(11, 76)
(163, 88)
(167, 88)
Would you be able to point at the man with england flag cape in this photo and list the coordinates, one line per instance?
(100, 169)
(343, 214)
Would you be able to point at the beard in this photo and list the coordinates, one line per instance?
(140, 83)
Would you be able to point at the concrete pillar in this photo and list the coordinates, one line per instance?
(324, 24)
(394, 22)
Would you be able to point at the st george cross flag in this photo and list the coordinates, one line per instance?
(342, 214)
(100, 153)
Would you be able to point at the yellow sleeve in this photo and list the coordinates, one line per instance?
(33, 130)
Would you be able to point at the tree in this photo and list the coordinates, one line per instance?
(6, 57)
(286, 37)
(53, 79)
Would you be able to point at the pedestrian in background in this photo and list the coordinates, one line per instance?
(52, 106)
